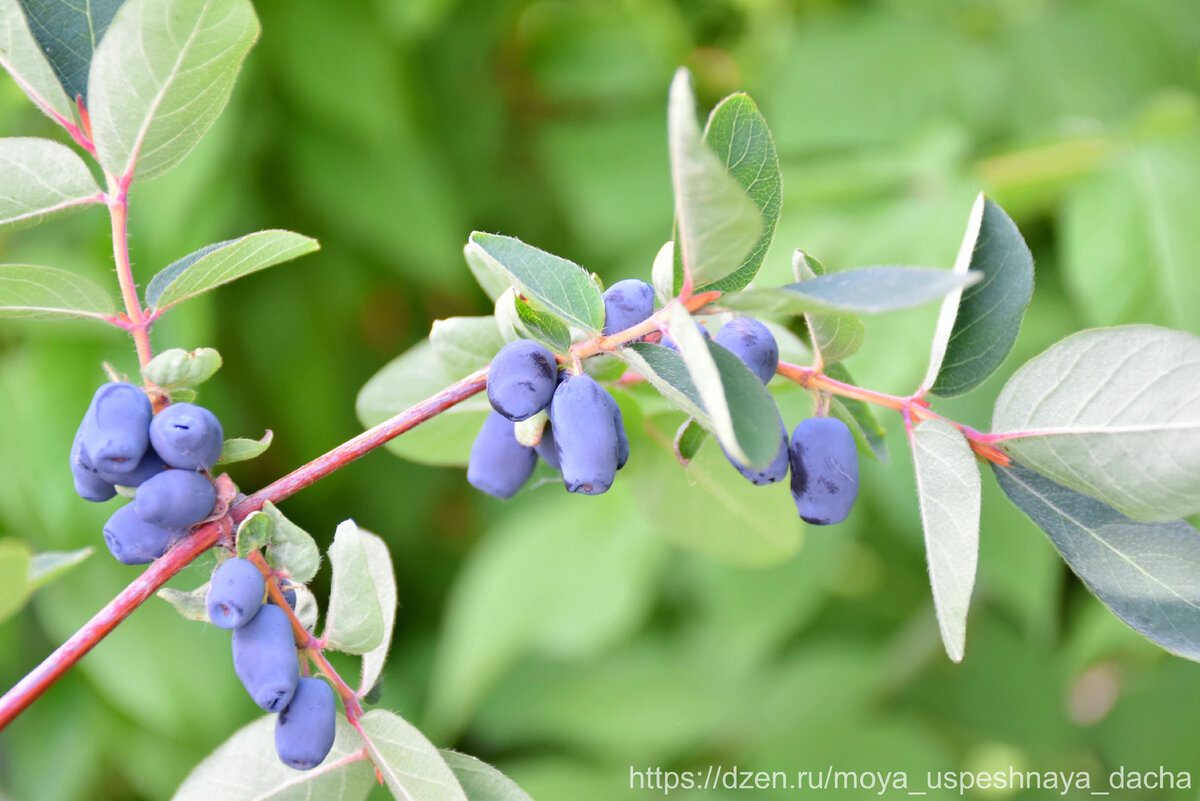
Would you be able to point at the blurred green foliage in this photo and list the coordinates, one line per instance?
(569, 639)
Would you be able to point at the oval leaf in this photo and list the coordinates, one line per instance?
(977, 328)
(739, 136)
(290, 549)
(1145, 572)
(464, 344)
(354, 622)
(411, 765)
(242, 449)
(48, 293)
(193, 605)
(246, 768)
(949, 490)
(220, 263)
(866, 290)
(177, 368)
(160, 78)
(1114, 413)
(718, 223)
(68, 33)
(25, 60)
(379, 563)
(40, 178)
(480, 781)
(559, 286)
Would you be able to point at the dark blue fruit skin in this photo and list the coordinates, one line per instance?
(150, 465)
(88, 484)
(133, 541)
(548, 448)
(304, 730)
(585, 434)
(499, 464)
(622, 437)
(753, 343)
(235, 593)
(113, 434)
(264, 658)
(824, 465)
(187, 436)
(773, 473)
(87, 475)
(627, 303)
(175, 499)
(521, 379)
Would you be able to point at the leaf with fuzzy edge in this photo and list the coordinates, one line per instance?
(354, 621)
(865, 290)
(25, 60)
(291, 549)
(379, 563)
(242, 449)
(464, 344)
(176, 368)
(949, 490)
(48, 293)
(40, 179)
(412, 767)
(482, 782)
(192, 605)
(161, 76)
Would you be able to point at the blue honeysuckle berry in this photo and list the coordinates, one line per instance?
(521, 379)
(773, 473)
(187, 437)
(753, 343)
(585, 434)
(627, 303)
(824, 464)
(499, 465)
(304, 730)
(133, 541)
(113, 436)
(175, 498)
(235, 593)
(264, 658)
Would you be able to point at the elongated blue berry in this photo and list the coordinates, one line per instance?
(264, 658)
(235, 593)
(776, 471)
(113, 435)
(585, 434)
(304, 730)
(627, 303)
(753, 343)
(175, 498)
(133, 541)
(619, 424)
(824, 470)
(521, 379)
(499, 464)
(88, 483)
(187, 436)
(548, 448)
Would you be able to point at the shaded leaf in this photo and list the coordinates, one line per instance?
(949, 491)
(246, 768)
(688, 440)
(866, 290)
(834, 336)
(14, 576)
(46, 566)
(1114, 413)
(977, 329)
(161, 76)
(222, 262)
(1145, 572)
(561, 287)
(25, 60)
(68, 34)
(379, 563)
(718, 224)
(354, 620)
(480, 781)
(517, 319)
(40, 178)
(253, 533)
(193, 605)
(412, 767)
(241, 449)
(48, 293)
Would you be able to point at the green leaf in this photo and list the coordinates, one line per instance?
(1114, 413)
(559, 286)
(39, 179)
(1145, 572)
(291, 550)
(48, 293)
(491, 279)
(176, 368)
(379, 563)
(741, 411)
(834, 336)
(246, 768)
(739, 135)
(480, 781)
(950, 491)
(412, 767)
(354, 620)
(464, 344)
(222, 262)
(409, 379)
(866, 290)
(241, 449)
(517, 319)
(253, 533)
(662, 273)
(49, 565)
(977, 328)
(68, 34)
(688, 440)
(25, 60)
(718, 223)
(14, 576)
(307, 609)
(192, 605)
(161, 76)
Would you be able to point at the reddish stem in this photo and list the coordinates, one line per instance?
(37, 681)
(118, 210)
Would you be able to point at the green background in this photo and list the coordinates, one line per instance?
(569, 639)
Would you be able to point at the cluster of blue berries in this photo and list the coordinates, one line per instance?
(585, 437)
(264, 658)
(165, 457)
